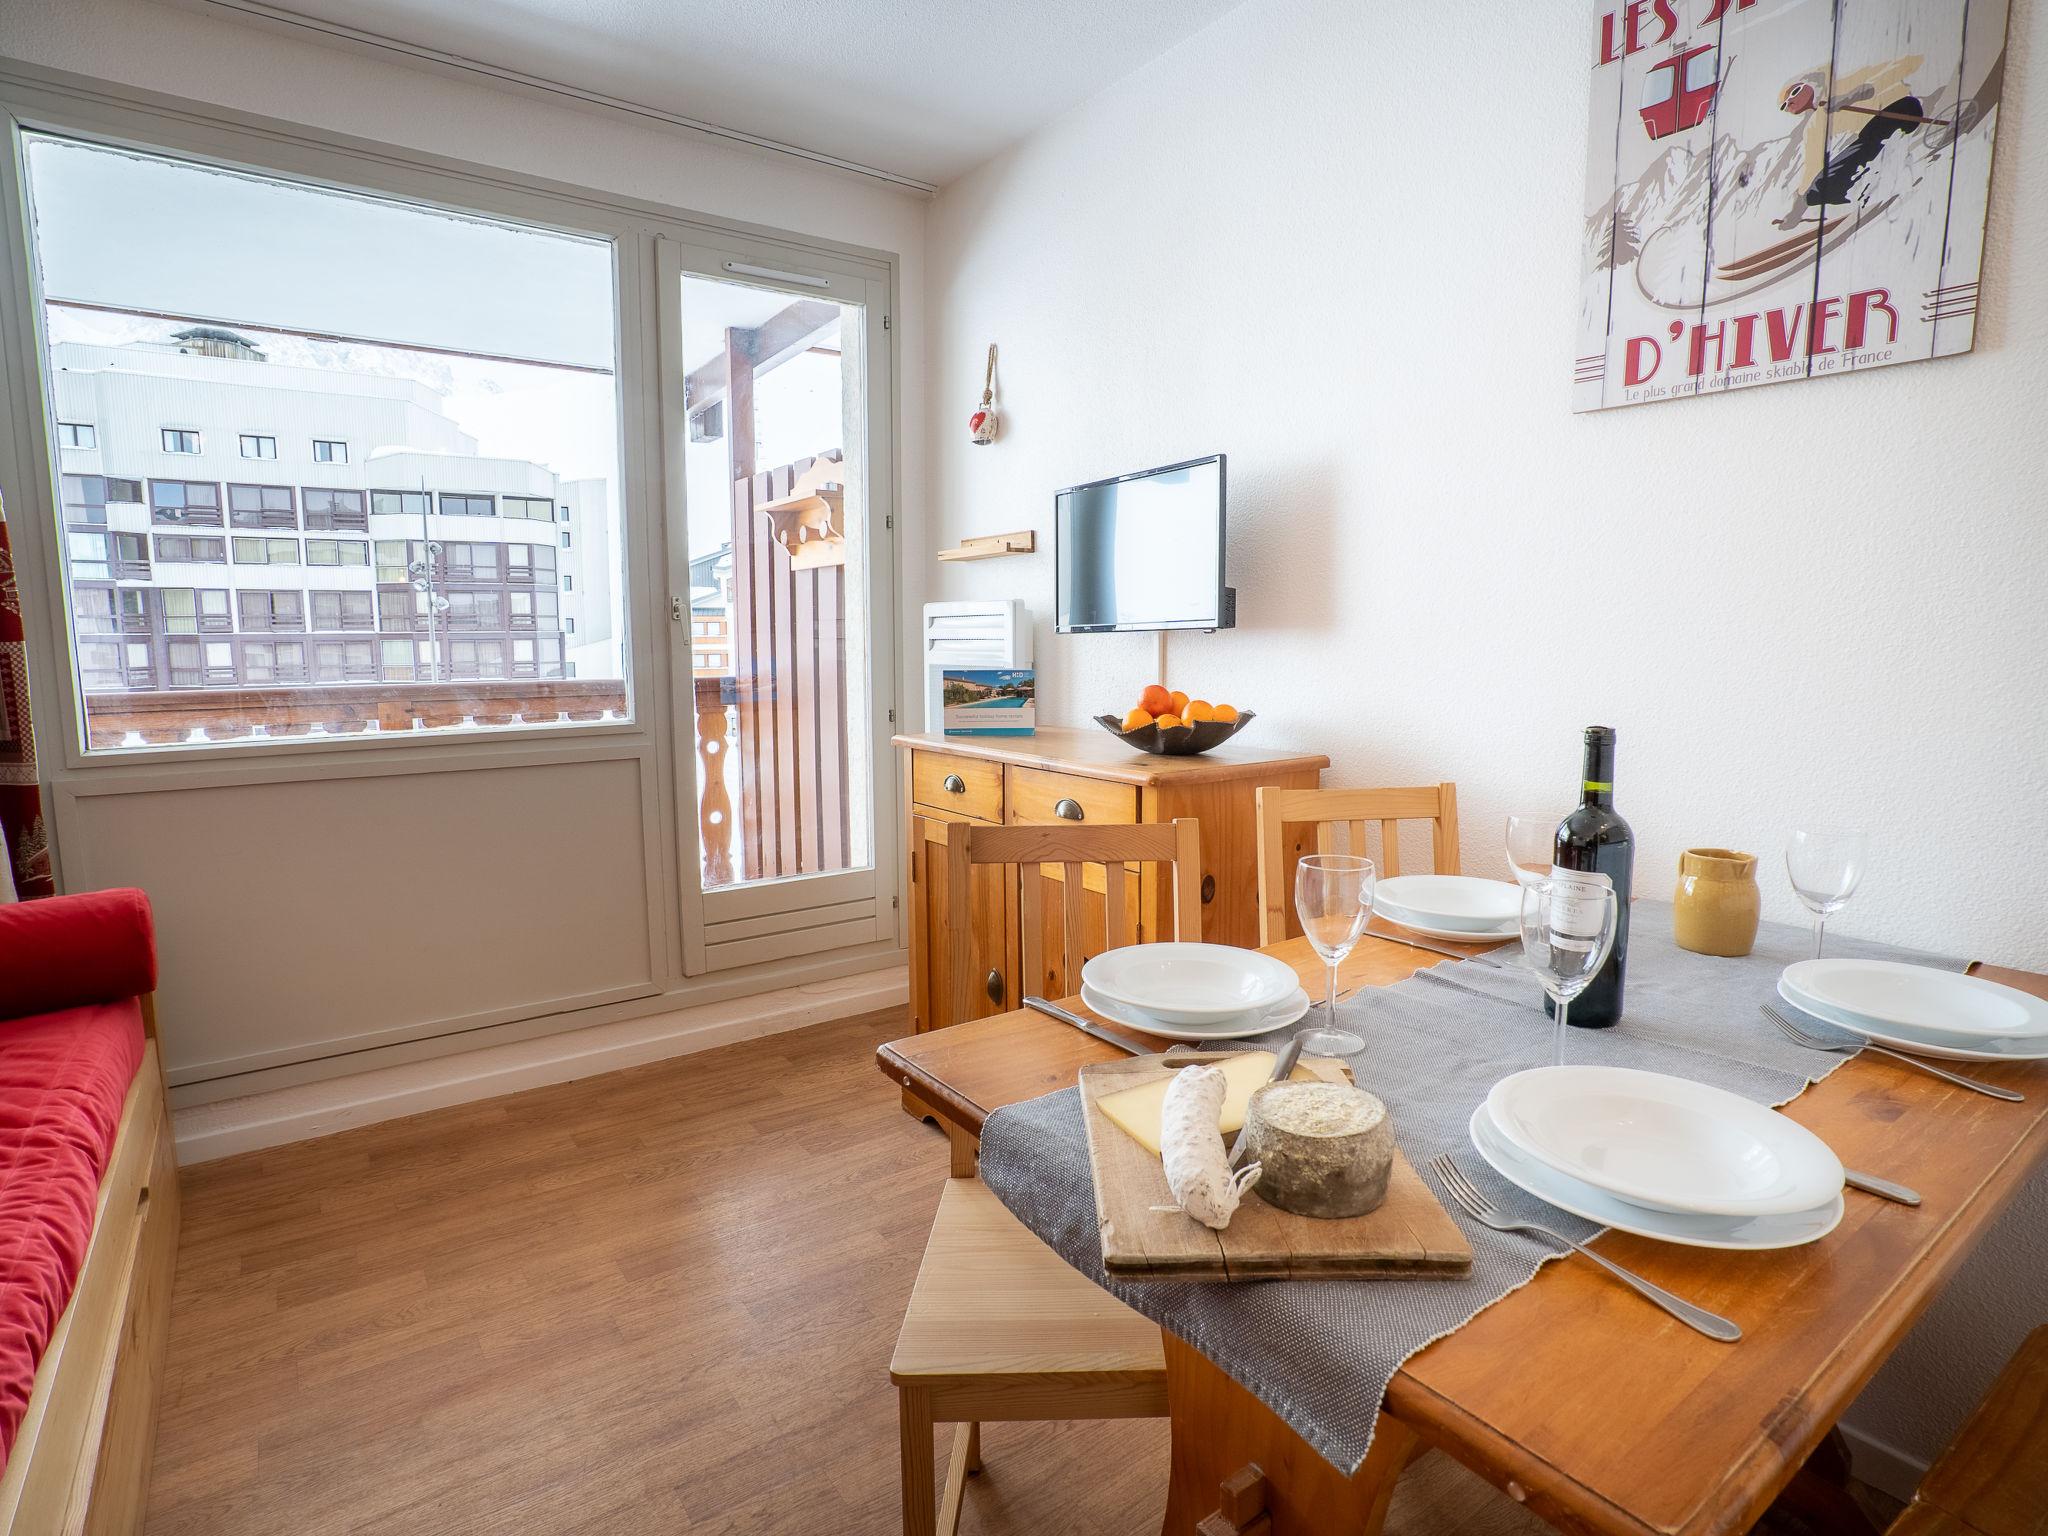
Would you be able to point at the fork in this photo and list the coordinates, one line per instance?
(1798, 1036)
(1480, 1209)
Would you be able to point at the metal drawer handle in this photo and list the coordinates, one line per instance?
(1070, 810)
(954, 784)
(994, 986)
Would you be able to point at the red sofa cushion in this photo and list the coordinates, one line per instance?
(63, 1079)
(66, 951)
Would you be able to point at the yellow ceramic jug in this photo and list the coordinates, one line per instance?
(1715, 910)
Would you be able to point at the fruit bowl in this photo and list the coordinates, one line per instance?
(1179, 740)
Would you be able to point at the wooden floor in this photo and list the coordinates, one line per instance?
(661, 1300)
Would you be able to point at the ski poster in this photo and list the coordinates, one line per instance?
(1781, 189)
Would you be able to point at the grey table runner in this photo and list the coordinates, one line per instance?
(1320, 1353)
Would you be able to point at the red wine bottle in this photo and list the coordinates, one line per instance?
(1595, 839)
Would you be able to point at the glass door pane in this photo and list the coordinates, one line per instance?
(779, 609)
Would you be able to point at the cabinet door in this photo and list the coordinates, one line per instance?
(990, 933)
(1054, 981)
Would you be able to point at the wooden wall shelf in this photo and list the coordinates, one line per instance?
(993, 545)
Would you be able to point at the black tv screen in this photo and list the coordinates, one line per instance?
(1142, 551)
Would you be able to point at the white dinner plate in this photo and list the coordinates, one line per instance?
(1509, 934)
(1463, 902)
(1936, 1043)
(1665, 1142)
(1191, 983)
(1789, 1230)
(1281, 1014)
(1918, 998)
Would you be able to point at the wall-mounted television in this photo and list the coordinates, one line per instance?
(1143, 551)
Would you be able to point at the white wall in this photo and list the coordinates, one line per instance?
(1340, 243)
(495, 970)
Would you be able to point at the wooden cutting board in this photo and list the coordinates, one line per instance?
(1409, 1237)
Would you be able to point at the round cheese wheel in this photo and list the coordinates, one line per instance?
(1326, 1148)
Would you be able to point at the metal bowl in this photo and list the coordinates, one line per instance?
(1181, 741)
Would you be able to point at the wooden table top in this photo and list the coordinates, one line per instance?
(1092, 751)
(1571, 1390)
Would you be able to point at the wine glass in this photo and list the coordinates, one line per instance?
(1333, 895)
(1531, 840)
(1567, 929)
(1825, 866)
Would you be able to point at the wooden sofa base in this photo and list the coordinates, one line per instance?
(80, 1463)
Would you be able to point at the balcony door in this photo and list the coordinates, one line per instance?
(776, 398)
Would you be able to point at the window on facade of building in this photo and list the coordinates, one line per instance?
(77, 434)
(398, 659)
(200, 663)
(329, 450)
(249, 551)
(337, 552)
(565, 514)
(192, 611)
(271, 662)
(479, 659)
(400, 503)
(335, 510)
(262, 506)
(179, 440)
(568, 626)
(93, 610)
(254, 447)
(400, 610)
(199, 549)
(343, 610)
(475, 562)
(532, 508)
(476, 610)
(465, 505)
(565, 538)
(187, 503)
(344, 661)
(86, 498)
(261, 611)
(568, 582)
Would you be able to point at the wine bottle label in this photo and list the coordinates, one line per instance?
(1576, 907)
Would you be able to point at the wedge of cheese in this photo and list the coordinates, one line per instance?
(1136, 1110)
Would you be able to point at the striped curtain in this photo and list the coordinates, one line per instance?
(21, 796)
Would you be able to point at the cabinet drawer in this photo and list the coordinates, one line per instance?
(966, 786)
(1038, 796)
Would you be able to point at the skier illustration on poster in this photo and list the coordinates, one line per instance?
(1832, 176)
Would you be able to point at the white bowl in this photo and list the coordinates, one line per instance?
(1449, 901)
(1665, 1142)
(1918, 997)
(1190, 983)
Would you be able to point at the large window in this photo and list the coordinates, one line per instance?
(445, 392)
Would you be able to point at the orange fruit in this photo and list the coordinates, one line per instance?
(1137, 720)
(1180, 704)
(1169, 722)
(1200, 709)
(1224, 712)
(1155, 700)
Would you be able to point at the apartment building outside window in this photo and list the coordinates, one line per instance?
(191, 611)
(262, 506)
(191, 503)
(195, 548)
(254, 447)
(531, 508)
(401, 503)
(266, 551)
(328, 450)
(259, 611)
(344, 610)
(179, 440)
(465, 506)
(77, 434)
(330, 509)
(86, 498)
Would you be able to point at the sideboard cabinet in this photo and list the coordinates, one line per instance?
(1086, 776)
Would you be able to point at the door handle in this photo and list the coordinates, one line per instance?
(994, 987)
(954, 784)
(1070, 810)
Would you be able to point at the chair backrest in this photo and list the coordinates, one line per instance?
(1177, 843)
(1325, 809)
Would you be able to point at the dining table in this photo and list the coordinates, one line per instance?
(1562, 1393)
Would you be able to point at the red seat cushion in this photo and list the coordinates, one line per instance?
(63, 1079)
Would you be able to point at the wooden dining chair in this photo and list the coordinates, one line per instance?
(1071, 851)
(1326, 810)
(1001, 1330)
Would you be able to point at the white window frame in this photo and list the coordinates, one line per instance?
(77, 434)
(165, 434)
(330, 442)
(259, 439)
(660, 735)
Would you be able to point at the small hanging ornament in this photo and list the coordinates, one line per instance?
(982, 425)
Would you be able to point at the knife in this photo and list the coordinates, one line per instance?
(1486, 955)
(1094, 1031)
(1884, 1189)
(1283, 1067)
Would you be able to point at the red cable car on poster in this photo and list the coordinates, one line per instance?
(1679, 93)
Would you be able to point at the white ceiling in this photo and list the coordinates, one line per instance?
(926, 89)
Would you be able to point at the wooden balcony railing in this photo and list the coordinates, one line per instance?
(227, 714)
